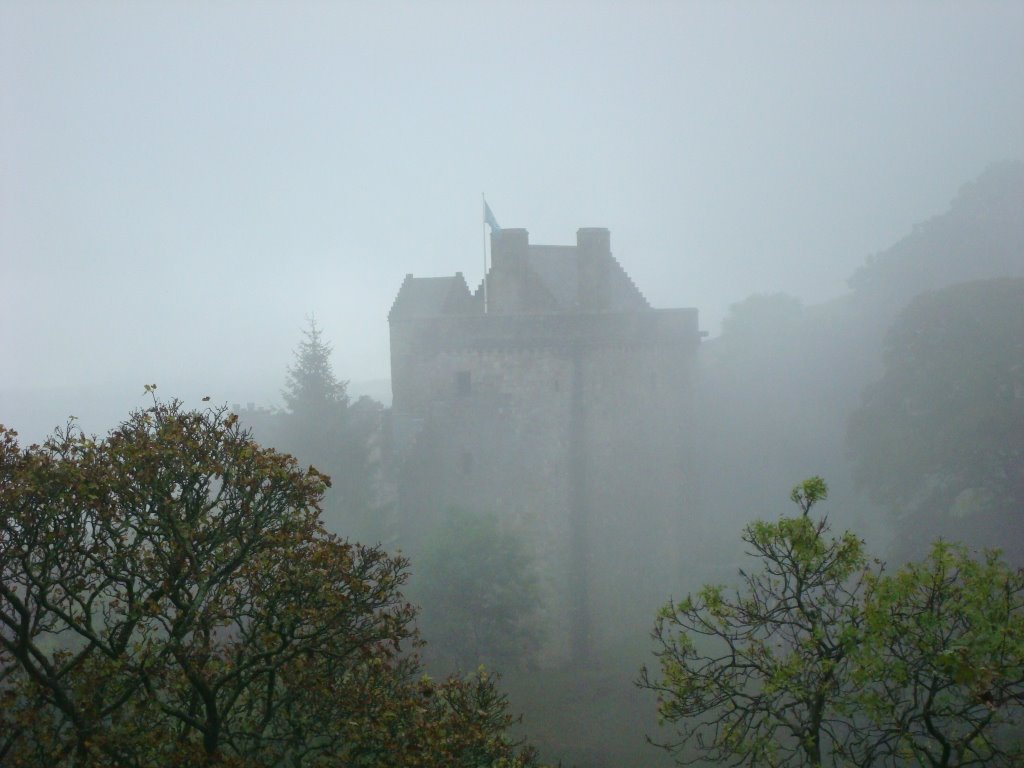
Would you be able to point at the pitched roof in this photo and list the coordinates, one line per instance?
(557, 268)
(432, 296)
(623, 293)
(530, 279)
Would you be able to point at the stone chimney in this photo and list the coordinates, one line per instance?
(593, 264)
(509, 249)
(506, 281)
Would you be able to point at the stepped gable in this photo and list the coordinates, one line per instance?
(558, 269)
(560, 406)
(433, 296)
(584, 277)
(627, 295)
(527, 279)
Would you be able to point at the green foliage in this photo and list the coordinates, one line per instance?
(757, 677)
(169, 597)
(808, 493)
(940, 438)
(822, 660)
(478, 587)
(941, 663)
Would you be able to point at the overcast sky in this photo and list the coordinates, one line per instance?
(182, 183)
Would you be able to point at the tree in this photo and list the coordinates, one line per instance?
(939, 439)
(940, 666)
(322, 426)
(825, 660)
(311, 385)
(478, 588)
(169, 597)
(981, 236)
(760, 677)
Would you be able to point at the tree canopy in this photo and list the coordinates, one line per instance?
(169, 597)
(939, 665)
(322, 426)
(939, 439)
(478, 587)
(981, 236)
(821, 658)
(757, 677)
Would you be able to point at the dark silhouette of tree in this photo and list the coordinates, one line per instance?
(978, 238)
(169, 597)
(310, 385)
(477, 585)
(323, 427)
(939, 439)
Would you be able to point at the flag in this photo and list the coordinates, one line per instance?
(489, 219)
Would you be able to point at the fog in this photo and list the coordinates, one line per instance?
(183, 186)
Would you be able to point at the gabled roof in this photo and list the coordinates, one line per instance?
(557, 269)
(530, 280)
(623, 293)
(432, 296)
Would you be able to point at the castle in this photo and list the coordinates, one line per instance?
(556, 397)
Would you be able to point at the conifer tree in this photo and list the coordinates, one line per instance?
(320, 426)
(311, 385)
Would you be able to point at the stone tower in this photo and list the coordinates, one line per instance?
(564, 408)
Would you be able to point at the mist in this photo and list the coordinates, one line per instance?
(187, 190)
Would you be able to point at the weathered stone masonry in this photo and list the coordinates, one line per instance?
(564, 409)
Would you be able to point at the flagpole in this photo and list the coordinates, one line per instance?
(483, 228)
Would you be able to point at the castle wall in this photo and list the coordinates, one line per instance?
(639, 450)
(571, 427)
